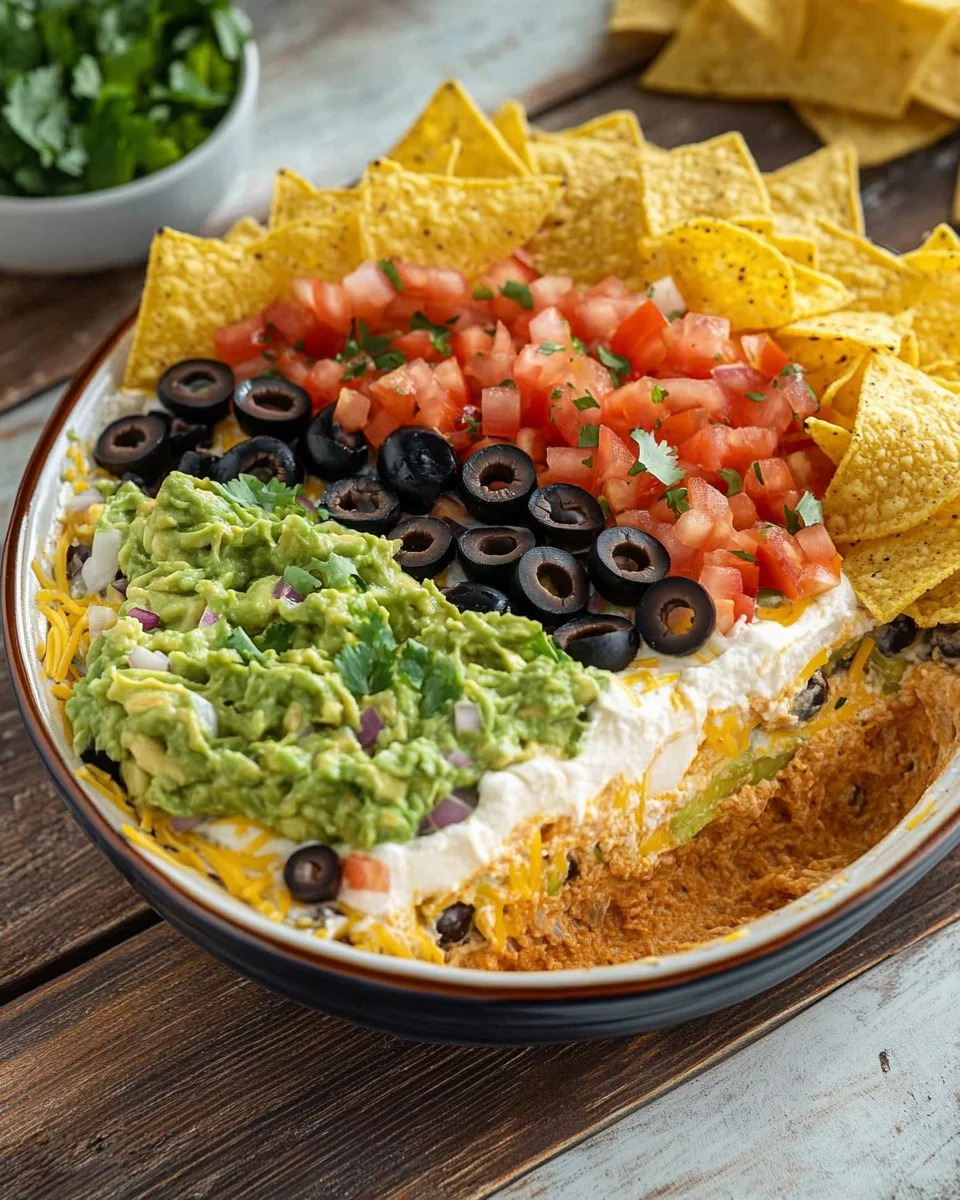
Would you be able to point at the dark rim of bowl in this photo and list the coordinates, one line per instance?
(89, 816)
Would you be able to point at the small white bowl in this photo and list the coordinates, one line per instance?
(113, 227)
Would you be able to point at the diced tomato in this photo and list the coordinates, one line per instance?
(614, 459)
(681, 394)
(549, 291)
(763, 354)
(636, 491)
(352, 411)
(697, 343)
(440, 291)
(292, 366)
(370, 291)
(679, 427)
(640, 338)
(567, 464)
(743, 510)
(323, 381)
(749, 571)
(492, 362)
(724, 585)
(399, 391)
(299, 328)
(603, 309)
(632, 407)
(379, 427)
(330, 302)
(501, 411)
(501, 274)
(532, 442)
(366, 874)
(781, 561)
(770, 484)
(450, 378)
(550, 326)
(417, 343)
(241, 342)
(798, 393)
(811, 469)
(744, 606)
(817, 544)
(706, 499)
(253, 367)
(716, 446)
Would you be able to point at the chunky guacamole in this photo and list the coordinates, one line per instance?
(287, 644)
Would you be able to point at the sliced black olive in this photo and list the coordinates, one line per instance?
(418, 465)
(490, 553)
(265, 458)
(565, 515)
(197, 389)
(550, 585)
(312, 874)
(946, 639)
(328, 451)
(477, 597)
(427, 546)
(200, 466)
(896, 636)
(138, 443)
(675, 616)
(497, 482)
(811, 697)
(185, 436)
(600, 640)
(271, 405)
(76, 557)
(450, 509)
(362, 503)
(135, 479)
(623, 562)
(454, 924)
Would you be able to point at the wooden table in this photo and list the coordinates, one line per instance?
(131, 1064)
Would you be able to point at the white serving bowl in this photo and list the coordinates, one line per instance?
(113, 227)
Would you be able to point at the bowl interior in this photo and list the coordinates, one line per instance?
(84, 411)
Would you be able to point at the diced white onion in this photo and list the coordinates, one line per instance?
(101, 567)
(99, 618)
(466, 717)
(206, 713)
(143, 659)
(81, 500)
(666, 296)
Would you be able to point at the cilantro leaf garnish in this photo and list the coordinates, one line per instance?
(482, 292)
(254, 493)
(676, 498)
(238, 639)
(588, 461)
(544, 646)
(367, 667)
(589, 437)
(659, 458)
(413, 662)
(616, 364)
(439, 334)
(362, 342)
(758, 473)
(302, 582)
(757, 396)
(550, 348)
(809, 511)
(578, 345)
(278, 637)
(744, 555)
(336, 570)
(732, 479)
(557, 393)
(519, 292)
(582, 403)
(389, 268)
(356, 370)
(441, 685)
(658, 394)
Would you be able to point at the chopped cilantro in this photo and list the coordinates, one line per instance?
(732, 479)
(361, 341)
(616, 364)
(471, 424)
(557, 393)
(588, 461)
(841, 702)
(298, 345)
(810, 510)
(578, 345)
(550, 348)
(589, 437)
(441, 685)
(356, 370)
(253, 492)
(482, 292)
(238, 639)
(336, 570)
(744, 555)
(389, 360)
(367, 667)
(278, 637)
(439, 334)
(544, 646)
(659, 458)
(519, 292)
(302, 582)
(389, 268)
(413, 662)
(604, 506)
(582, 403)
(658, 394)
(758, 396)
(507, 383)
(676, 498)
(758, 472)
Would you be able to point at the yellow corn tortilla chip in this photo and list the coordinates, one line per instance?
(244, 231)
(439, 220)
(833, 440)
(801, 249)
(939, 606)
(817, 293)
(780, 24)
(937, 307)
(841, 396)
(904, 459)
(824, 184)
(325, 248)
(877, 139)
(455, 148)
(937, 84)
(762, 226)
(956, 200)
(889, 573)
(946, 370)
(879, 281)
(728, 271)
(647, 16)
(717, 178)
(910, 349)
(296, 199)
(943, 238)
(620, 125)
(593, 231)
(827, 346)
(511, 120)
(450, 113)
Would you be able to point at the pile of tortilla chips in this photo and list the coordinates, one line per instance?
(877, 333)
(883, 74)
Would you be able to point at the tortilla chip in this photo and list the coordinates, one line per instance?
(456, 146)
(889, 573)
(937, 84)
(910, 349)
(724, 270)
(296, 199)
(877, 139)
(841, 397)
(438, 220)
(594, 229)
(939, 606)
(904, 460)
(817, 293)
(946, 370)
(647, 16)
(833, 440)
(511, 120)
(937, 307)
(244, 231)
(956, 200)
(450, 114)
(782, 25)
(717, 178)
(824, 184)
(325, 248)
(880, 281)
(827, 346)
(803, 250)
(942, 238)
(620, 125)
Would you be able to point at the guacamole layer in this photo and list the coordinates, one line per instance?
(283, 643)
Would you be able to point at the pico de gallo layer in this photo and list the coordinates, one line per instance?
(678, 427)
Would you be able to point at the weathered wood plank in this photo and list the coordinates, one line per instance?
(856, 1097)
(151, 1070)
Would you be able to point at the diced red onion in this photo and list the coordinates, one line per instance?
(185, 824)
(450, 811)
(308, 504)
(121, 584)
(283, 591)
(99, 617)
(149, 620)
(81, 500)
(466, 717)
(370, 728)
(206, 713)
(306, 731)
(666, 296)
(101, 567)
(208, 618)
(142, 659)
(458, 758)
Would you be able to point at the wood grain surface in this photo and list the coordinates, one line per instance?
(153, 1071)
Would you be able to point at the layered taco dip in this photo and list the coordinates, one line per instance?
(543, 554)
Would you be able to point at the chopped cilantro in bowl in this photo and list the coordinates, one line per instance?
(96, 93)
